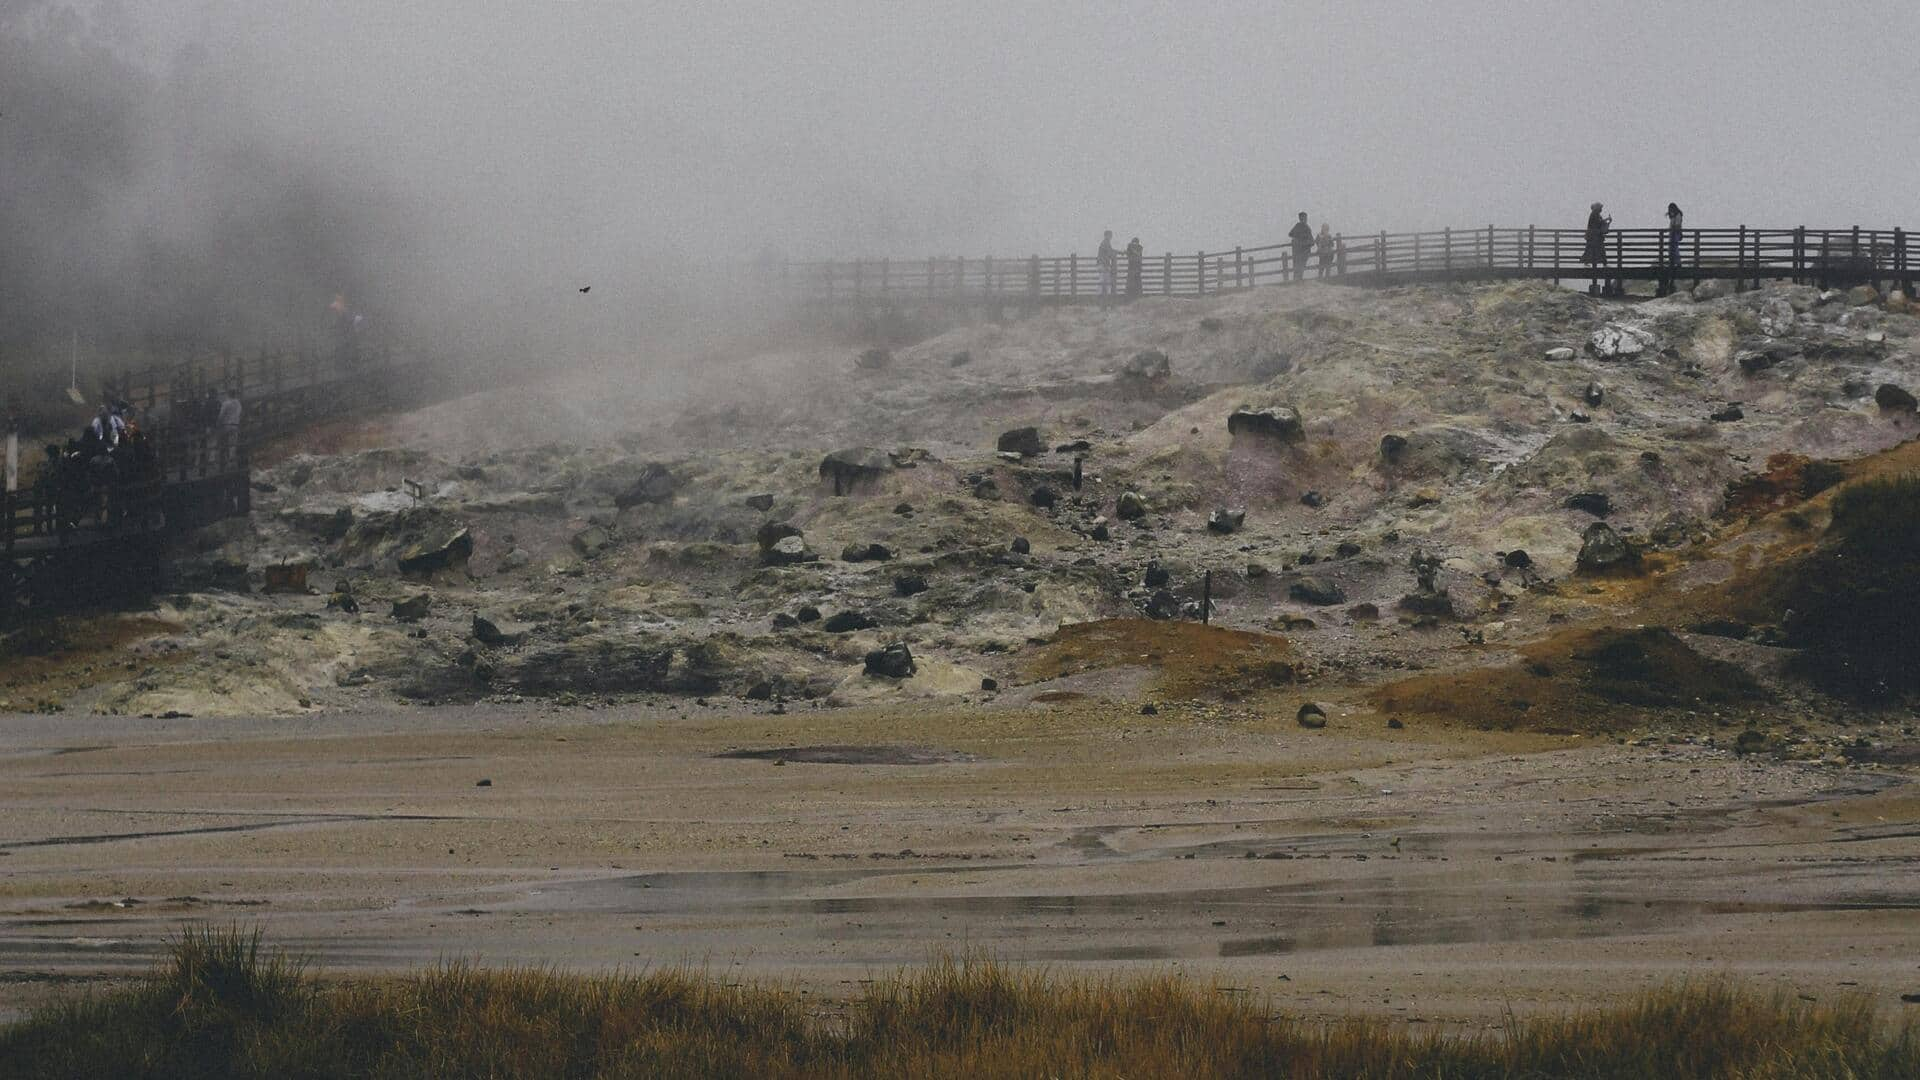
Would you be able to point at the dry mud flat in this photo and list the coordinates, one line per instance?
(1423, 873)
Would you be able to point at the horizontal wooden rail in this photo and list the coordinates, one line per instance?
(1743, 254)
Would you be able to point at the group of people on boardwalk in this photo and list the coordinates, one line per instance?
(1107, 260)
(1304, 243)
(81, 482)
(1599, 224)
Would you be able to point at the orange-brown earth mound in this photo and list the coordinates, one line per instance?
(1582, 680)
(1190, 659)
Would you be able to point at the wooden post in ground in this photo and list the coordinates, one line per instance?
(1200, 271)
(1380, 257)
(1799, 254)
(1206, 598)
(1237, 282)
(1073, 274)
(1446, 253)
(1339, 255)
(1166, 274)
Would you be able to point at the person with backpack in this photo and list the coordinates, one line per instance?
(1134, 255)
(1595, 254)
(1302, 236)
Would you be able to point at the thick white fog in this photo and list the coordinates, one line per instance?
(207, 169)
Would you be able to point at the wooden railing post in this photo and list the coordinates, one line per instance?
(1380, 256)
(1166, 274)
(1740, 262)
(1033, 279)
(1339, 255)
(1446, 257)
(932, 273)
(1799, 254)
(1200, 271)
(1416, 253)
(1237, 282)
(1073, 274)
(1900, 278)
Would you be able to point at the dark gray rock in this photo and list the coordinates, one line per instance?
(1727, 415)
(1020, 546)
(488, 632)
(1593, 502)
(1311, 715)
(1157, 576)
(1894, 399)
(1392, 446)
(1363, 612)
(856, 470)
(784, 621)
(807, 614)
(1226, 521)
(1317, 590)
(1042, 497)
(1313, 499)
(1148, 366)
(413, 608)
(788, 551)
(1024, 441)
(1163, 605)
(762, 502)
(1131, 506)
(1280, 423)
(1602, 549)
(875, 359)
(909, 585)
(893, 661)
(1436, 604)
(591, 542)
(655, 484)
(857, 553)
(435, 554)
(1594, 395)
(772, 533)
(843, 622)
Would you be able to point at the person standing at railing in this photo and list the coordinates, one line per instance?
(1596, 252)
(1135, 253)
(1674, 219)
(1108, 262)
(229, 430)
(1324, 242)
(1302, 236)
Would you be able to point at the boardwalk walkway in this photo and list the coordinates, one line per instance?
(1820, 256)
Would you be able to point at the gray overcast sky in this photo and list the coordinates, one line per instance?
(535, 141)
(1005, 127)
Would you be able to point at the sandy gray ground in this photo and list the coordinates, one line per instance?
(1432, 875)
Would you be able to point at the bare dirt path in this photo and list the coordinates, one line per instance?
(1427, 874)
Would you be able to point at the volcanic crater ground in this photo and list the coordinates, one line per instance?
(1512, 541)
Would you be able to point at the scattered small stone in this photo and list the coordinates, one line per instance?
(960, 359)
(761, 502)
(1392, 446)
(788, 551)
(1256, 571)
(903, 509)
(591, 542)
(1346, 549)
(1131, 506)
(843, 622)
(1042, 497)
(1394, 724)
(760, 691)
(1100, 532)
(1517, 559)
(413, 608)
(1579, 417)
(1311, 715)
(909, 585)
(784, 621)
(808, 614)
(1562, 353)
(1147, 366)
(1365, 611)
(989, 684)
(1313, 499)
(1020, 546)
(1163, 605)
(1727, 415)
(1602, 549)
(1594, 395)
(1592, 502)
(875, 359)
(484, 782)
(1157, 576)
(1317, 590)
(1226, 521)
(1280, 423)
(988, 489)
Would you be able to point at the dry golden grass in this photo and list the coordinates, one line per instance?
(224, 1007)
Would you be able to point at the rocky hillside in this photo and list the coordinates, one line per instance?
(1418, 478)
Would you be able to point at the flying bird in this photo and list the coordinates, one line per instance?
(586, 288)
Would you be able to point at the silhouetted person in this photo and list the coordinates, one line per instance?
(1134, 254)
(1597, 226)
(229, 429)
(1674, 220)
(46, 487)
(1107, 260)
(1325, 243)
(1302, 236)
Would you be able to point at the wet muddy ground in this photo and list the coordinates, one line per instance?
(1426, 873)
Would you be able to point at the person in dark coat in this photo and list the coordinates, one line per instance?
(1134, 254)
(1302, 236)
(1597, 226)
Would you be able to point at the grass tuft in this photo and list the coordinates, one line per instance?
(224, 1006)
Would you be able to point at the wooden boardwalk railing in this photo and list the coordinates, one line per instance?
(1840, 256)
